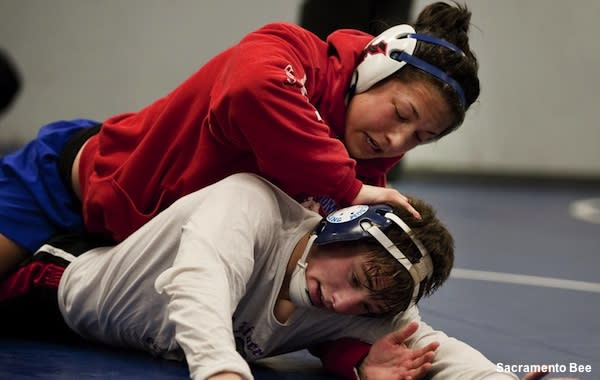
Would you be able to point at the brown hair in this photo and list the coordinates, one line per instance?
(451, 23)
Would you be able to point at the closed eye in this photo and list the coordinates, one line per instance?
(401, 116)
(426, 137)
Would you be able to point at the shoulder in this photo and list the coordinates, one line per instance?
(234, 193)
(258, 196)
(285, 30)
(284, 40)
(246, 184)
(249, 191)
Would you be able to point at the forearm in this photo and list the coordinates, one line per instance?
(208, 345)
(201, 301)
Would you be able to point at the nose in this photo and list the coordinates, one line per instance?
(398, 139)
(348, 301)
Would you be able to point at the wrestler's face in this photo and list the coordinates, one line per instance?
(393, 117)
(337, 280)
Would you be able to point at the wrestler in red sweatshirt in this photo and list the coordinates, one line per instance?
(279, 103)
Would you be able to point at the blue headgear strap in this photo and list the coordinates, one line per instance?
(429, 68)
(436, 41)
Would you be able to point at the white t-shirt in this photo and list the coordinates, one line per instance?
(217, 255)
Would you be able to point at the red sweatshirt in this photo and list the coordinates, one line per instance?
(273, 104)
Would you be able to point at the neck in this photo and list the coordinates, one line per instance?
(284, 306)
(295, 256)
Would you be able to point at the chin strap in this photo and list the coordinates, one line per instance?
(419, 271)
(298, 288)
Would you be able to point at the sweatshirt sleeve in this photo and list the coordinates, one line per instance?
(264, 103)
(454, 359)
(207, 280)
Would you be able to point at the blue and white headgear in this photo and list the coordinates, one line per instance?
(392, 50)
(355, 223)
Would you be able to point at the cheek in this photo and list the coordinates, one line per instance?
(314, 269)
(323, 269)
(352, 135)
(357, 110)
(406, 144)
(407, 139)
(352, 144)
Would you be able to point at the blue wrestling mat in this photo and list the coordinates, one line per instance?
(51, 360)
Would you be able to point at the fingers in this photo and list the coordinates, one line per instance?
(396, 198)
(399, 336)
(400, 200)
(421, 365)
(431, 347)
(393, 357)
(423, 359)
(410, 209)
(404, 197)
(374, 194)
(420, 371)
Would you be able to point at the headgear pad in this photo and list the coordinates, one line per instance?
(377, 64)
(392, 50)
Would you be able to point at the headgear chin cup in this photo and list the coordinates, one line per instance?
(356, 223)
(392, 50)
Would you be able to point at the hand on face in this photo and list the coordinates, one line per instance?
(389, 358)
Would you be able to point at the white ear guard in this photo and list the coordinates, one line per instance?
(392, 50)
(377, 64)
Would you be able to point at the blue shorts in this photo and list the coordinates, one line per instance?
(35, 201)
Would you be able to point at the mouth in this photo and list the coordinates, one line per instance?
(373, 144)
(316, 297)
